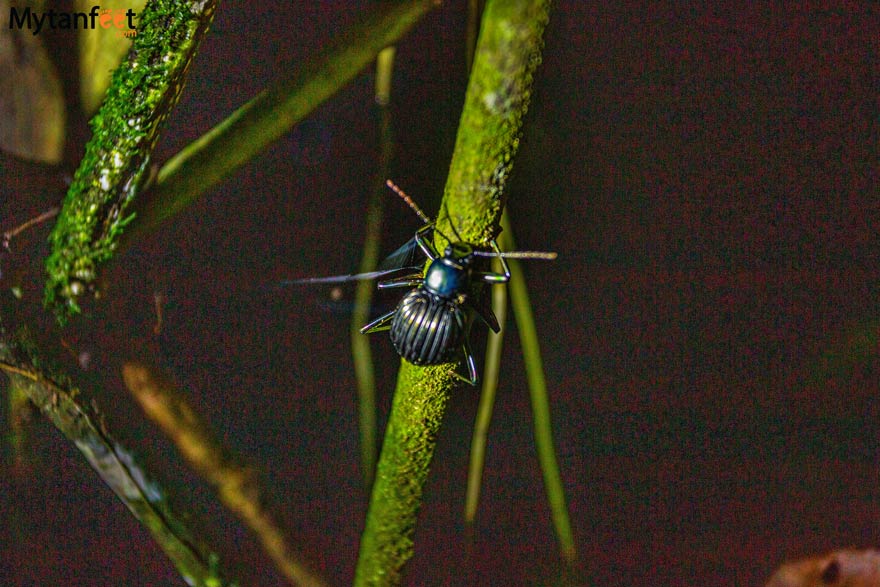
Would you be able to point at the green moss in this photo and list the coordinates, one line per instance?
(142, 93)
(417, 413)
(488, 135)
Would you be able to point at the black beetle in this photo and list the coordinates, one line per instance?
(430, 324)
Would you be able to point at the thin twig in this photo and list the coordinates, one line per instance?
(237, 484)
(491, 372)
(10, 234)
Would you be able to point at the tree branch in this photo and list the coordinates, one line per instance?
(115, 465)
(113, 171)
(497, 97)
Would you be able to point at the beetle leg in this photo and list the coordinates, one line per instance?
(426, 245)
(483, 309)
(412, 280)
(491, 276)
(381, 323)
(469, 359)
(469, 362)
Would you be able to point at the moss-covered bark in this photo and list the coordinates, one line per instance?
(417, 412)
(508, 51)
(143, 92)
(498, 93)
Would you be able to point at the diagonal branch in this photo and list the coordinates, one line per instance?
(236, 483)
(114, 464)
(144, 90)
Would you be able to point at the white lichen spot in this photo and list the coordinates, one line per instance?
(491, 100)
(500, 173)
(104, 180)
(117, 159)
(198, 7)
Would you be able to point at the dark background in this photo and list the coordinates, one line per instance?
(709, 180)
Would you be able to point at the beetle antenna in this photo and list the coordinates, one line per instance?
(408, 200)
(394, 187)
(546, 255)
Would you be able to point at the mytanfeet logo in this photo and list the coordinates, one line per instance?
(97, 17)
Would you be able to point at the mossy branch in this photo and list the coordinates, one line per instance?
(144, 90)
(410, 438)
(507, 54)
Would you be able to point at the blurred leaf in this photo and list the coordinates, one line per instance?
(32, 116)
(273, 112)
(237, 484)
(859, 568)
(101, 50)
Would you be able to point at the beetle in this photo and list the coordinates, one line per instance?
(431, 323)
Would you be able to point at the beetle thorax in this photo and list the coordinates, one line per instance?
(447, 278)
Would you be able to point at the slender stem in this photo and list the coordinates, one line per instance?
(491, 373)
(384, 75)
(525, 323)
(360, 344)
(498, 92)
